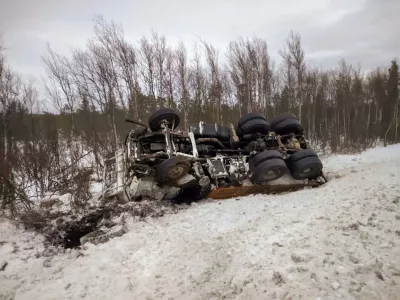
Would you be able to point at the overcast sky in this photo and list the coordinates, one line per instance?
(361, 31)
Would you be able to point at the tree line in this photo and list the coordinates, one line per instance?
(94, 89)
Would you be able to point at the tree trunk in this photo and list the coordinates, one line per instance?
(385, 138)
(395, 127)
(368, 123)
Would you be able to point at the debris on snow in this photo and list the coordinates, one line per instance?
(3, 265)
(47, 263)
(379, 275)
(354, 226)
(354, 259)
(335, 285)
(297, 258)
(277, 278)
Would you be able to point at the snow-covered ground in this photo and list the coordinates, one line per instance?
(337, 241)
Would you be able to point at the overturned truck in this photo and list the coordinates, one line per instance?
(210, 160)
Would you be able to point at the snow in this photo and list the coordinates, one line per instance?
(337, 241)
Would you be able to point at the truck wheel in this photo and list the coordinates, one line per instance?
(169, 114)
(248, 117)
(255, 126)
(305, 164)
(264, 156)
(286, 124)
(172, 169)
(302, 154)
(193, 193)
(269, 170)
(282, 117)
(252, 123)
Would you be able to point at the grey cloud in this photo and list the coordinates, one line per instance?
(368, 35)
(358, 30)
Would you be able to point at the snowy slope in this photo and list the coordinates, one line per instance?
(337, 241)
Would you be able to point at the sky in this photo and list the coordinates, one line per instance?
(361, 31)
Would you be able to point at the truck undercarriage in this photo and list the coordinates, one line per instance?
(253, 156)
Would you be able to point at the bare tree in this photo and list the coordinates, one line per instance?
(215, 89)
(293, 58)
(198, 85)
(240, 71)
(389, 109)
(59, 85)
(160, 57)
(147, 63)
(170, 75)
(183, 80)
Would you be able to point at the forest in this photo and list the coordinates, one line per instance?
(343, 109)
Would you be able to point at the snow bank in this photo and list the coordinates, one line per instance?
(337, 241)
(374, 156)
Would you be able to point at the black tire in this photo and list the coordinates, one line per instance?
(282, 117)
(192, 193)
(248, 117)
(269, 170)
(255, 126)
(264, 156)
(169, 114)
(172, 169)
(306, 168)
(289, 126)
(286, 124)
(302, 154)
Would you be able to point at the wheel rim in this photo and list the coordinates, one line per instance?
(172, 121)
(176, 172)
(271, 174)
(308, 172)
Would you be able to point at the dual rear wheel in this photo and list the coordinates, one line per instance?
(252, 123)
(270, 165)
(305, 164)
(267, 166)
(281, 124)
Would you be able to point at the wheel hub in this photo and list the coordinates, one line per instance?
(270, 174)
(176, 172)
